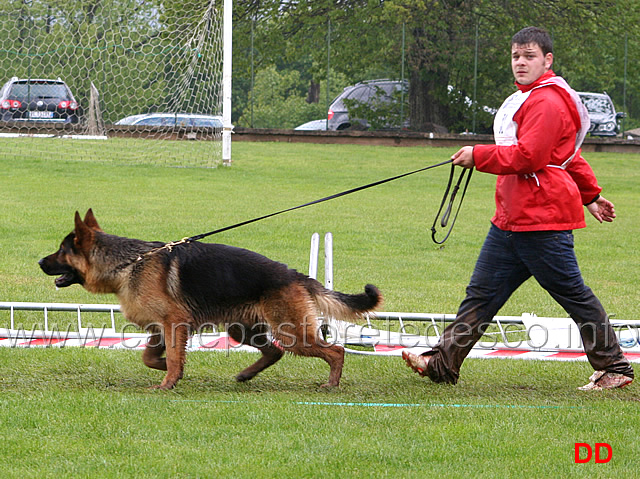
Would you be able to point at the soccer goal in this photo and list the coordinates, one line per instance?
(117, 81)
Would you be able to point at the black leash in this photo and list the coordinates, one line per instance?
(321, 200)
(445, 218)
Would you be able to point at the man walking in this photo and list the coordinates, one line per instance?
(543, 183)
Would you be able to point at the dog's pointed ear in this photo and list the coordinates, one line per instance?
(90, 220)
(84, 234)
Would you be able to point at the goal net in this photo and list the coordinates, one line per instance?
(122, 81)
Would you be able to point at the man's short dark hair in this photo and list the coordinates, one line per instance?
(535, 35)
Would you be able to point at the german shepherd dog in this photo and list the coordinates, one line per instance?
(174, 290)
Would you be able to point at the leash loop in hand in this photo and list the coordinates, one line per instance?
(446, 216)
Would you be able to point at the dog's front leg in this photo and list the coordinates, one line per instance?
(175, 341)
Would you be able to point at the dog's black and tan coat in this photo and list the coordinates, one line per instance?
(173, 292)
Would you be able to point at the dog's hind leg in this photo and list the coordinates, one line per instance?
(152, 355)
(309, 343)
(258, 337)
(298, 331)
(176, 335)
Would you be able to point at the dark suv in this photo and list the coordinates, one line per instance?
(38, 100)
(378, 100)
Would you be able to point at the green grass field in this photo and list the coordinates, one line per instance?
(89, 413)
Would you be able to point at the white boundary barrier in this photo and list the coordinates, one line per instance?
(546, 338)
(76, 333)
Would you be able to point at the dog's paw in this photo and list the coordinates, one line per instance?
(328, 386)
(163, 387)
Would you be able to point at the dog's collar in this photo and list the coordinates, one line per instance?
(168, 246)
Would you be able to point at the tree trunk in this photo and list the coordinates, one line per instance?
(427, 87)
(313, 95)
(428, 113)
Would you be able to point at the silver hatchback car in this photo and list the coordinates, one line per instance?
(602, 113)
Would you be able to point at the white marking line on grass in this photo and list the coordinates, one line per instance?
(509, 406)
(397, 405)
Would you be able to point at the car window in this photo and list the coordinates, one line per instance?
(153, 121)
(23, 91)
(337, 105)
(597, 104)
(361, 94)
(180, 121)
(389, 88)
(383, 93)
(207, 122)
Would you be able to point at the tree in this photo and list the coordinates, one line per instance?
(441, 43)
(294, 36)
(276, 102)
(279, 100)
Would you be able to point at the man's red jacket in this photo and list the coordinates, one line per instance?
(553, 199)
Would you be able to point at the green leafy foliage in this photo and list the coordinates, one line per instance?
(592, 45)
(279, 100)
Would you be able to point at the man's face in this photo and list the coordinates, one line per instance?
(529, 63)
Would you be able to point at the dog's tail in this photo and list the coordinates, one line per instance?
(343, 306)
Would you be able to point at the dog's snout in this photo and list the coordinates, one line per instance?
(44, 266)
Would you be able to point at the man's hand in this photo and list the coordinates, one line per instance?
(602, 210)
(464, 157)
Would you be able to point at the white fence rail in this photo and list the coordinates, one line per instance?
(385, 329)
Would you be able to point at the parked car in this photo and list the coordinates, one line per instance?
(602, 113)
(374, 93)
(313, 125)
(173, 119)
(41, 100)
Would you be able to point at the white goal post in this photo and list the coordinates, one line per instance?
(226, 82)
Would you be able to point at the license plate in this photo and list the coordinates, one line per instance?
(40, 114)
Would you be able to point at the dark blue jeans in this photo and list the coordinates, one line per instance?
(507, 260)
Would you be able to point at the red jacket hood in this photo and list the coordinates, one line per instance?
(526, 88)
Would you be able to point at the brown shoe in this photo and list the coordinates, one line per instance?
(603, 380)
(415, 362)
